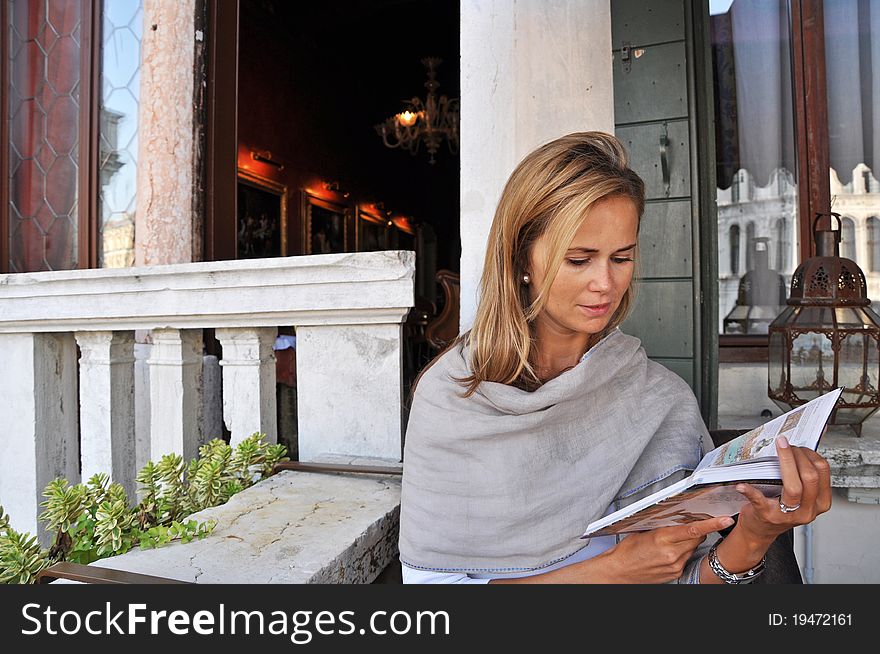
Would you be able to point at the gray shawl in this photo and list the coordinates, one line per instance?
(507, 480)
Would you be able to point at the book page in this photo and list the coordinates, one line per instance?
(750, 457)
(802, 427)
(698, 503)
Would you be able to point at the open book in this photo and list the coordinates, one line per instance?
(710, 490)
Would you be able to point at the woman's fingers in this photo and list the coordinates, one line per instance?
(809, 482)
(792, 488)
(823, 499)
(695, 530)
(754, 496)
(807, 487)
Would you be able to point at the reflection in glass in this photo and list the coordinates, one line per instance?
(761, 295)
(754, 144)
(42, 99)
(848, 239)
(852, 64)
(812, 365)
(734, 249)
(873, 227)
(777, 371)
(122, 30)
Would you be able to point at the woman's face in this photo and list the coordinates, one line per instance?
(595, 272)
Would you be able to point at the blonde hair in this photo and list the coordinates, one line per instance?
(548, 194)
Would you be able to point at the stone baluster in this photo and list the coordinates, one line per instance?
(106, 372)
(248, 382)
(349, 390)
(38, 423)
(175, 392)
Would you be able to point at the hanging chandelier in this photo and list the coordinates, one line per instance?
(431, 120)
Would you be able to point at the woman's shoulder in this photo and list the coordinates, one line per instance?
(450, 364)
(658, 376)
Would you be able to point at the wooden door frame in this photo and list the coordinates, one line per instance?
(221, 129)
(705, 212)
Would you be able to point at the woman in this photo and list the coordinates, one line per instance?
(544, 415)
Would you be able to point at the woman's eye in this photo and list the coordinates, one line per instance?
(583, 262)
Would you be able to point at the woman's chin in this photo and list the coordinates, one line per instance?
(592, 325)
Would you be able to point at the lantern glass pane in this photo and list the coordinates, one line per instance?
(776, 371)
(853, 364)
(869, 317)
(812, 365)
(787, 316)
(848, 317)
(814, 318)
(736, 321)
(760, 317)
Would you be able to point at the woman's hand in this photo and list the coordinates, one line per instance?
(659, 555)
(806, 484)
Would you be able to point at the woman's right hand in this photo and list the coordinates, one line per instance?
(659, 555)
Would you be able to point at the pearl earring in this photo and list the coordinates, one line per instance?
(526, 278)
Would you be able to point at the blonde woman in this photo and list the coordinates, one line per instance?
(545, 415)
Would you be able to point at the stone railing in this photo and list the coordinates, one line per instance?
(60, 419)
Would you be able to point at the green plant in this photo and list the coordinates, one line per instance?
(94, 520)
(21, 558)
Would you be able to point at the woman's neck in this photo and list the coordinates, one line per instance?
(555, 353)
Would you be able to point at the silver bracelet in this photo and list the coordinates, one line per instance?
(728, 577)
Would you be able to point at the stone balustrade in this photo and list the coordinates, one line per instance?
(63, 417)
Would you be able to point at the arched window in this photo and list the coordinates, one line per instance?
(848, 238)
(750, 237)
(781, 229)
(734, 250)
(873, 244)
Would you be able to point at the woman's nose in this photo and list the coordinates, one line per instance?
(600, 281)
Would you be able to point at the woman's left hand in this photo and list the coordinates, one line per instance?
(806, 484)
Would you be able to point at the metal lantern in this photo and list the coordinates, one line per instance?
(761, 294)
(827, 336)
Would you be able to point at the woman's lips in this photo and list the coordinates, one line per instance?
(595, 309)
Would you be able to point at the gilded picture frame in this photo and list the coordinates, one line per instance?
(261, 217)
(325, 225)
(372, 231)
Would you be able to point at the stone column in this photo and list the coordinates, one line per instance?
(175, 392)
(248, 382)
(361, 417)
(106, 372)
(531, 71)
(167, 228)
(38, 436)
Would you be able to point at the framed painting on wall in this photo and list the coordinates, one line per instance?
(401, 237)
(325, 225)
(261, 220)
(372, 232)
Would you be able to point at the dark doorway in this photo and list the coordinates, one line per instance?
(301, 86)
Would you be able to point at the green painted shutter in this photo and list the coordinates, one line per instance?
(658, 119)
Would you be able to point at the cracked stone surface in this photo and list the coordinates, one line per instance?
(295, 527)
(855, 462)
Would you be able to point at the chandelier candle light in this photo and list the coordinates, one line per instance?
(828, 336)
(432, 120)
